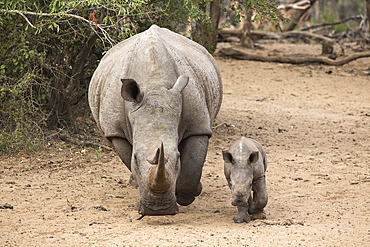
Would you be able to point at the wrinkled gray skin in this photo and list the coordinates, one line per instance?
(155, 88)
(245, 165)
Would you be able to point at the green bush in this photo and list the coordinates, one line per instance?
(22, 89)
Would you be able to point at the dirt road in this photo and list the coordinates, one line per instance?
(314, 122)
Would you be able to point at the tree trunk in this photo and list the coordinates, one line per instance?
(245, 39)
(368, 15)
(200, 34)
(206, 33)
(215, 13)
(334, 7)
(317, 10)
(67, 92)
(72, 89)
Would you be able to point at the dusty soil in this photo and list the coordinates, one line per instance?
(313, 121)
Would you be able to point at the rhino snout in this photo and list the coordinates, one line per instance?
(156, 204)
(171, 210)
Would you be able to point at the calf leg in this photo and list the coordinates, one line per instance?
(124, 151)
(193, 151)
(259, 201)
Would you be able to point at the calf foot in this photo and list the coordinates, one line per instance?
(258, 216)
(240, 218)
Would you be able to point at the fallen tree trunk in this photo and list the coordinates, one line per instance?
(327, 43)
(293, 59)
(254, 35)
(257, 35)
(302, 35)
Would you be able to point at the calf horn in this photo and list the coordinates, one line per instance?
(158, 177)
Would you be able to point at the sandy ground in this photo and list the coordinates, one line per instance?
(313, 121)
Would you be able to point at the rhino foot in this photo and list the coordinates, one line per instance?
(185, 199)
(242, 218)
(133, 182)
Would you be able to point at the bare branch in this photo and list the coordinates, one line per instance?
(20, 13)
(357, 17)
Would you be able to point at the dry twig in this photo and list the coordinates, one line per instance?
(83, 143)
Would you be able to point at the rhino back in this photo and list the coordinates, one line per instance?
(147, 57)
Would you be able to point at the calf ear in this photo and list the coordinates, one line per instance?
(181, 83)
(130, 90)
(228, 158)
(253, 157)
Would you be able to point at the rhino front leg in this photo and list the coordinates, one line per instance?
(124, 151)
(259, 201)
(193, 151)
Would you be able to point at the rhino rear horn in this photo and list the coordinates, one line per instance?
(181, 83)
(158, 177)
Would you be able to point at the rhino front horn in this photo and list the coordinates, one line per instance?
(158, 177)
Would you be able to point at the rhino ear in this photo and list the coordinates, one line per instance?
(253, 158)
(181, 83)
(130, 90)
(228, 158)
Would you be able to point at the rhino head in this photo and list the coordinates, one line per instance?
(154, 115)
(239, 174)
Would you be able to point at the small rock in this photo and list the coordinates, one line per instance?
(100, 208)
(6, 206)
(95, 223)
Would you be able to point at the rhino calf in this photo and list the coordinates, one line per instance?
(245, 167)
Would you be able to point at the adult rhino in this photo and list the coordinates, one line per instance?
(154, 97)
